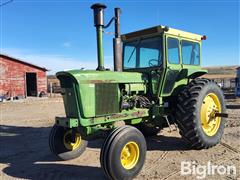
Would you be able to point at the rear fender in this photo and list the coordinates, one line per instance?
(191, 73)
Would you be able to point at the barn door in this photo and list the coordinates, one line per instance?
(31, 84)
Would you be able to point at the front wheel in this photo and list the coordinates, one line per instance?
(123, 153)
(198, 113)
(60, 143)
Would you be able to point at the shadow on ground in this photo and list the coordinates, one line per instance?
(26, 153)
(230, 95)
(166, 143)
(233, 106)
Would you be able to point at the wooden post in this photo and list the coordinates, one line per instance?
(51, 89)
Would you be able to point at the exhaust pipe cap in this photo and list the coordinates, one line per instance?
(98, 6)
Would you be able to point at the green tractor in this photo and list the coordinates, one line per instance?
(155, 82)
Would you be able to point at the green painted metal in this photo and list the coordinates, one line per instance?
(67, 122)
(178, 73)
(124, 115)
(134, 121)
(85, 83)
(70, 101)
(158, 30)
(93, 129)
(191, 72)
(93, 77)
(135, 116)
(100, 47)
(138, 87)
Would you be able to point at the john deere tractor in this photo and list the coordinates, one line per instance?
(156, 81)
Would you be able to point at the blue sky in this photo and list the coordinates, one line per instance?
(60, 34)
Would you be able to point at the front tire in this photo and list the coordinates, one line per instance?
(123, 153)
(195, 114)
(60, 143)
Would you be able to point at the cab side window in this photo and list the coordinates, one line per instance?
(190, 53)
(173, 50)
(130, 55)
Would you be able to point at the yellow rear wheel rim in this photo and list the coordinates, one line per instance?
(130, 155)
(70, 145)
(210, 106)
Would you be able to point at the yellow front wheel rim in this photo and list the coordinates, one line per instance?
(210, 106)
(70, 145)
(130, 155)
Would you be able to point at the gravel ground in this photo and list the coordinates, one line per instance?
(24, 152)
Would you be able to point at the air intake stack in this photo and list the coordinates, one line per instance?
(98, 10)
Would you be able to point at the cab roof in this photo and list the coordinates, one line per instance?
(160, 29)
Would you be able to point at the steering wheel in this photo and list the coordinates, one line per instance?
(153, 62)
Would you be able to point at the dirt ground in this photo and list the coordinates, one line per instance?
(24, 152)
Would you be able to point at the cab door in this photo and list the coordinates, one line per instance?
(173, 64)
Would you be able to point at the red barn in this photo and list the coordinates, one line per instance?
(20, 78)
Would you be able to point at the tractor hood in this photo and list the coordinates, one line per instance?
(88, 94)
(95, 77)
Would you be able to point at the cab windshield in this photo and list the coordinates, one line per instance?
(142, 53)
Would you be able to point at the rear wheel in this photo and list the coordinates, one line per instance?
(123, 153)
(60, 143)
(196, 113)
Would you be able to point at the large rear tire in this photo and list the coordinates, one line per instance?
(123, 153)
(196, 112)
(60, 143)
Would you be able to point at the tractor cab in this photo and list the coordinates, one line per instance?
(165, 54)
(145, 49)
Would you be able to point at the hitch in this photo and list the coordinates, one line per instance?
(225, 115)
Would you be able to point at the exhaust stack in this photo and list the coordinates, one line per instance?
(117, 43)
(98, 10)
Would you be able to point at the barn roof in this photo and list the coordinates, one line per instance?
(23, 62)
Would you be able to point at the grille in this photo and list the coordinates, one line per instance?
(106, 98)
